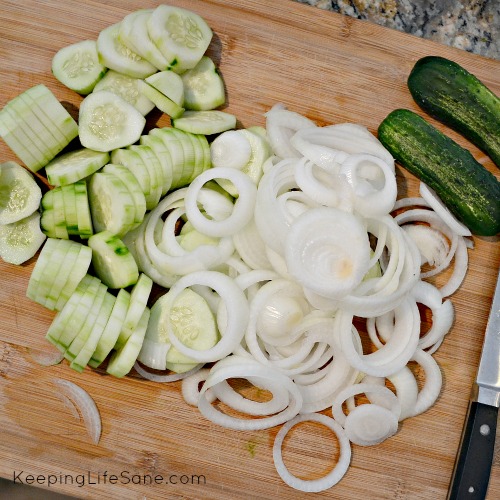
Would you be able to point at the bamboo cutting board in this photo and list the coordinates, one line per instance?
(332, 69)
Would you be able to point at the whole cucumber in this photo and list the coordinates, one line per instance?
(455, 97)
(469, 190)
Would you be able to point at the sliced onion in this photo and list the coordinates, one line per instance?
(230, 149)
(243, 207)
(433, 381)
(327, 251)
(251, 247)
(334, 476)
(85, 405)
(190, 387)
(370, 424)
(171, 377)
(430, 196)
(265, 377)
(51, 358)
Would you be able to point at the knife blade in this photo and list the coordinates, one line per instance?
(472, 468)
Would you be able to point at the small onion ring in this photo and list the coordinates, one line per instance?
(334, 476)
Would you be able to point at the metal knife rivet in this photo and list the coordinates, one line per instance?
(484, 429)
(471, 489)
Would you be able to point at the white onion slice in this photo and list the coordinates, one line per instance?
(170, 377)
(370, 424)
(85, 405)
(433, 381)
(190, 387)
(230, 149)
(46, 358)
(430, 196)
(243, 207)
(334, 476)
(251, 247)
(265, 377)
(328, 251)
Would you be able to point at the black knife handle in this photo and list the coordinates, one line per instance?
(475, 455)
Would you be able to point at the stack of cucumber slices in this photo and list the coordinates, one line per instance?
(94, 271)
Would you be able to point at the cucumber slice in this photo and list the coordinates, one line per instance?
(122, 361)
(113, 263)
(181, 35)
(85, 228)
(74, 275)
(48, 274)
(21, 240)
(115, 55)
(77, 66)
(61, 319)
(127, 88)
(85, 354)
(169, 84)
(112, 329)
(193, 322)
(86, 328)
(111, 204)
(154, 169)
(59, 214)
(164, 158)
(161, 101)
(20, 195)
(205, 122)
(51, 112)
(47, 223)
(143, 43)
(125, 28)
(134, 188)
(19, 149)
(70, 213)
(47, 250)
(75, 165)
(138, 303)
(108, 122)
(203, 86)
(75, 321)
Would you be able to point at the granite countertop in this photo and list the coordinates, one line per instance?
(472, 25)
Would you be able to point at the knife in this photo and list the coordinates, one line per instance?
(472, 469)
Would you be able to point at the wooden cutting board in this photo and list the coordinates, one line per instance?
(332, 69)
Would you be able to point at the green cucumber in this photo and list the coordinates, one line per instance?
(205, 122)
(77, 66)
(470, 192)
(161, 101)
(452, 95)
(169, 84)
(113, 263)
(19, 193)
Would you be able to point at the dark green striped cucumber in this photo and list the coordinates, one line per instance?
(470, 192)
(455, 97)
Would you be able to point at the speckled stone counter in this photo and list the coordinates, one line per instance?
(472, 25)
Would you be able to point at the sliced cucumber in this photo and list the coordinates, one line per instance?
(169, 84)
(181, 35)
(57, 326)
(20, 195)
(75, 165)
(21, 240)
(77, 66)
(203, 86)
(115, 55)
(47, 250)
(125, 28)
(85, 228)
(127, 88)
(161, 101)
(108, 122)
(134, 188)
(205, 122)
(85, 354)
(111, 204)
(112, 329)
(163, 155)
(153, 165)
(59, 214)
(193, 322)
(122, 361)
(70, 213)
(138, 302)
(113, 263)
(86, 328)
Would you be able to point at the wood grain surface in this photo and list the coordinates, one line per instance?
(332, 69)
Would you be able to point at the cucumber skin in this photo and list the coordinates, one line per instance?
(455, 97)
(470, 192)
